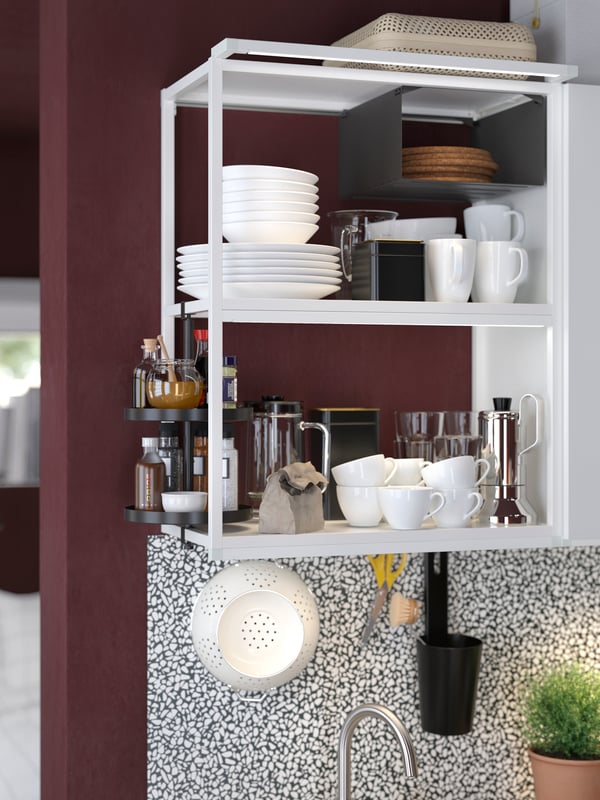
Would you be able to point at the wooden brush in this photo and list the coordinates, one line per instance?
(403, 610)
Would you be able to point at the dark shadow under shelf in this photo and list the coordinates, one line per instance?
(449, 191)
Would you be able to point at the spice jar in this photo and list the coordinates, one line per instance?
(174, 383)
(230, 381)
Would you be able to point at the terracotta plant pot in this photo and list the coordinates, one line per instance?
(558, 778)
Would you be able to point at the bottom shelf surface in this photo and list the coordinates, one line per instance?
(241, 541)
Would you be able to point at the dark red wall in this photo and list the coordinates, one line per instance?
(19, 205)
(102, 66)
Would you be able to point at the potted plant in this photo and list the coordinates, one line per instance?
(561, 710)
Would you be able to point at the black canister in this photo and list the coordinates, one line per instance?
(385, 269)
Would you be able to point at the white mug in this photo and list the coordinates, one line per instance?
(408, 471)
(360, 505)
(407, 507)
(459, 472)
(375, 470)
(493, 222)
(449, 269)
(460, 505)
(500, 269)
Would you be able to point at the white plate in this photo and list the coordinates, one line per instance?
(299, 268)
(264, 248)
(235, 259)
(273, 277)
(265, 277)
(293, 291)
(261, 263)
(237, 171)
(268, 206)
(251, 184)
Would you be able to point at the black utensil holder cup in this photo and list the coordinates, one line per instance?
(448, 673)
(447, 663)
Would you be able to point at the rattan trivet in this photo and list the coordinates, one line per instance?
(446, 150)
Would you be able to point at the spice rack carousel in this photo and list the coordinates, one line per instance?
(187, 417)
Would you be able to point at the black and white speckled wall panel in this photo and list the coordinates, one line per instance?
(207, 743)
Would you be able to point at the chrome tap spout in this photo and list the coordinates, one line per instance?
(345, 745)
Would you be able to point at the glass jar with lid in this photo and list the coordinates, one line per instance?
(174, 383)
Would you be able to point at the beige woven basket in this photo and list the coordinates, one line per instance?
(441, 36)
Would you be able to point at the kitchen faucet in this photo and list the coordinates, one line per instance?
(344, 752)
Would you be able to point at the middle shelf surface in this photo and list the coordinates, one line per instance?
(373, 312)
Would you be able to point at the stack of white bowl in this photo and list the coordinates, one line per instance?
(269, 204)
(269, 214)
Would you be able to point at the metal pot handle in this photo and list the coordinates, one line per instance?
(249, 696)
(536, 402)
(348, 232)
(326, 453)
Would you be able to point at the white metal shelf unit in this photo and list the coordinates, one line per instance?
(227, 83)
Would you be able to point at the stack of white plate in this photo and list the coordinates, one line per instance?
(251, 269)
(269, 204)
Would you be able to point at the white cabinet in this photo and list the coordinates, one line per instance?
(540, 344)
(581, 212)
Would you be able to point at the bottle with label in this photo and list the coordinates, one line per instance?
(200, 460)
(230, 470)
(229, 381)
(140, 373)
(149, 477)
(172, 455)
(201, 337)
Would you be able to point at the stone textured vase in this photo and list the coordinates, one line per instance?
(558, 778)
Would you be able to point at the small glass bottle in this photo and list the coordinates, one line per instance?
(230, 470)
(140, 373)
(229, 381)
(201, 337)
(200, 460)
(172, 455)
(149, 477)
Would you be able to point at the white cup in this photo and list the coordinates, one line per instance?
(374, 470)
(407, 507)
(459, 472)
(460, 506)
(408, 471)
(449, 269)
(360, 505)
(500, 269)
(493, 222)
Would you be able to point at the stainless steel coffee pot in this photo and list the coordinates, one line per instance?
(505, 501)
(278, 439)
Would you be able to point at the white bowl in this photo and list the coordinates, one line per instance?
(419, 229)
(272, 232)
(237, 171)
(271, 216)
(184, 501)
(267, 184)
(267, 206)
(269, 196)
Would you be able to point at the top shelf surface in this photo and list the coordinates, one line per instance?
(299, 85)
